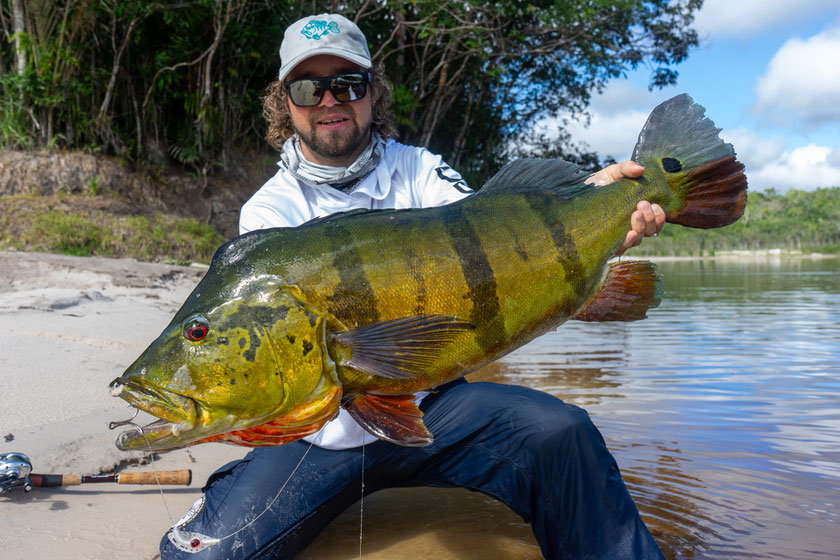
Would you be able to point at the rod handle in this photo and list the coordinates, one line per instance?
(54, 480)
(181, 478)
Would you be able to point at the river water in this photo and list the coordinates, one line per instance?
(722, 410)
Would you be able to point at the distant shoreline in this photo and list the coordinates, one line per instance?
(740, 254)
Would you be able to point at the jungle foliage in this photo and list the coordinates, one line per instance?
(81, 225)
(180, 80)
(807, 221)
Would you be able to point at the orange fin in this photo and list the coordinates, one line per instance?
(399, 348)
(394, 418)
(716, 197)
(264, 435)
(628, 291)
(303, 420)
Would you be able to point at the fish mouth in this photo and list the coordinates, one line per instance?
(176, 415)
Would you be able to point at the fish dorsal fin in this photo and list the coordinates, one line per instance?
(399, 348)
(561, 177)
(628, 291)
(394, 418)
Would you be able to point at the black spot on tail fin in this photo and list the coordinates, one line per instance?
(708, 182)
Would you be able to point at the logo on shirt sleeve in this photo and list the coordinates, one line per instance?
(448, 174)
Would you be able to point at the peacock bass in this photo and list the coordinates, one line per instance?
(361, 309)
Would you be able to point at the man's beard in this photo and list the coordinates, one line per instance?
(334, 145)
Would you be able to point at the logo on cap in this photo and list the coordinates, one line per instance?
(317, 28)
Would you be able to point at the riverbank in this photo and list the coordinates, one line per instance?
(764, 254)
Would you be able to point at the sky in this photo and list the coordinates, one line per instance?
(768, 74)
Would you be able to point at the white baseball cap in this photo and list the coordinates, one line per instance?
(323, 34)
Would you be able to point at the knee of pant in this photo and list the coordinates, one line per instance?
(563, 430)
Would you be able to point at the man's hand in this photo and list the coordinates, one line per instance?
(648, 219)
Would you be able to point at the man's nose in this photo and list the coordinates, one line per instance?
(328, 100)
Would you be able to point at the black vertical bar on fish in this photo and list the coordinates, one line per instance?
(480, 279)
(568, 255)
(353, 297)
(413, 260)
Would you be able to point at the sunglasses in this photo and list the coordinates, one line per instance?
(308, 92)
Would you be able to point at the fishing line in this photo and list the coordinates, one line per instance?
(189, 541)
(362, 501)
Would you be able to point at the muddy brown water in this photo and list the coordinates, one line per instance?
(722, 410)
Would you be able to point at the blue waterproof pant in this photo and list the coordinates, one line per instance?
(543, 458)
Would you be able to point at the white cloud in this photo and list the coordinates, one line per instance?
(802, 82)
(742, 19)
(616, 118)
(610, 135)
(754, 151)
(768, 164)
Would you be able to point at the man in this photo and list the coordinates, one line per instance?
(328, 114)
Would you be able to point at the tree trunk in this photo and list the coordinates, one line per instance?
(115, 67)
(19, 26)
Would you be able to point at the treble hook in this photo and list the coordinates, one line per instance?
(114, 425)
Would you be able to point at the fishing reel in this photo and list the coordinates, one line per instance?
(14, 472)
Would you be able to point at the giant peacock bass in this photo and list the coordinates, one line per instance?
(361, 309)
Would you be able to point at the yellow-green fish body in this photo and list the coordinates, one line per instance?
(364, 308)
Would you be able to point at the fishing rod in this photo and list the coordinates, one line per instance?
(16, 472)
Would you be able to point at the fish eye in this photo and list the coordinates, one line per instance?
(196, 328)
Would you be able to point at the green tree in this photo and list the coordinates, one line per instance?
(181, 80)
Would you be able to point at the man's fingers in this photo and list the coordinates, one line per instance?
(638, 225)
(615, 172)
(649, 225)
(629, 169)
(659, 216)
(631, 240)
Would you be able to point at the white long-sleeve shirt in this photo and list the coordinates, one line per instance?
(406, 177)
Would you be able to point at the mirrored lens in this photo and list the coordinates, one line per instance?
(305, 93)
(348, 87)
(308, 92)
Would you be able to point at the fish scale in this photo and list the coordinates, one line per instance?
(364, 308)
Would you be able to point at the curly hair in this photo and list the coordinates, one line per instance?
(279, 120)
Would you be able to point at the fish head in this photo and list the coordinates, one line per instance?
(225, 363)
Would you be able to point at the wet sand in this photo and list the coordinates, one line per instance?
(73, 324)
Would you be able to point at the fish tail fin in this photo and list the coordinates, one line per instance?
(708, 188)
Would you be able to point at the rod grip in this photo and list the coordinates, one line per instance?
(181, 478)
(49, 480)
(71, 479)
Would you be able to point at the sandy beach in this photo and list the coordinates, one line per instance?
(70, 326)
(73, 324)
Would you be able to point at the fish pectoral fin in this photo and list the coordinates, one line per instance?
(394, 418)
(397, 349)
(628, 291)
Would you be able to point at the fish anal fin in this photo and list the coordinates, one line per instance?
(397, 349)
(628, 291)
(264, 435)
(394, 418)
